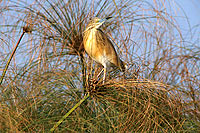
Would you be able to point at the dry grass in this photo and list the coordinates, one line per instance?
(50, 73)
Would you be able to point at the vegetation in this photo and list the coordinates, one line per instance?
(49, 73)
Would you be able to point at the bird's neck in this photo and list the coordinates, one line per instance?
(91, 27)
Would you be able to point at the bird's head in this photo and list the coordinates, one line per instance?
(97, 23)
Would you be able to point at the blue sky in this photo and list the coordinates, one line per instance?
(192, 10)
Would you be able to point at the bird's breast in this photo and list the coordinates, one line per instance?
(93, 49)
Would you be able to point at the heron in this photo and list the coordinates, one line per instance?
(99, 46)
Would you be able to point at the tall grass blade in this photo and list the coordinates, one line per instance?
(68, 113)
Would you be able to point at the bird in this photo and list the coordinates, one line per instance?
(99, 46)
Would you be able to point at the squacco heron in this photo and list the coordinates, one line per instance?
(99, 47)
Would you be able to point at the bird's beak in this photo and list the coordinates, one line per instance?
(104, 20)
(108, 18)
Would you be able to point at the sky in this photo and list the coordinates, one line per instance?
(192, 10)
(190, 7)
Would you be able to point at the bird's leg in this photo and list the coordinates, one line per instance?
(100, 73)
(95, 80)
(104, 76)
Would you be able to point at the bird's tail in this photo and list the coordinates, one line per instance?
(123, 66)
